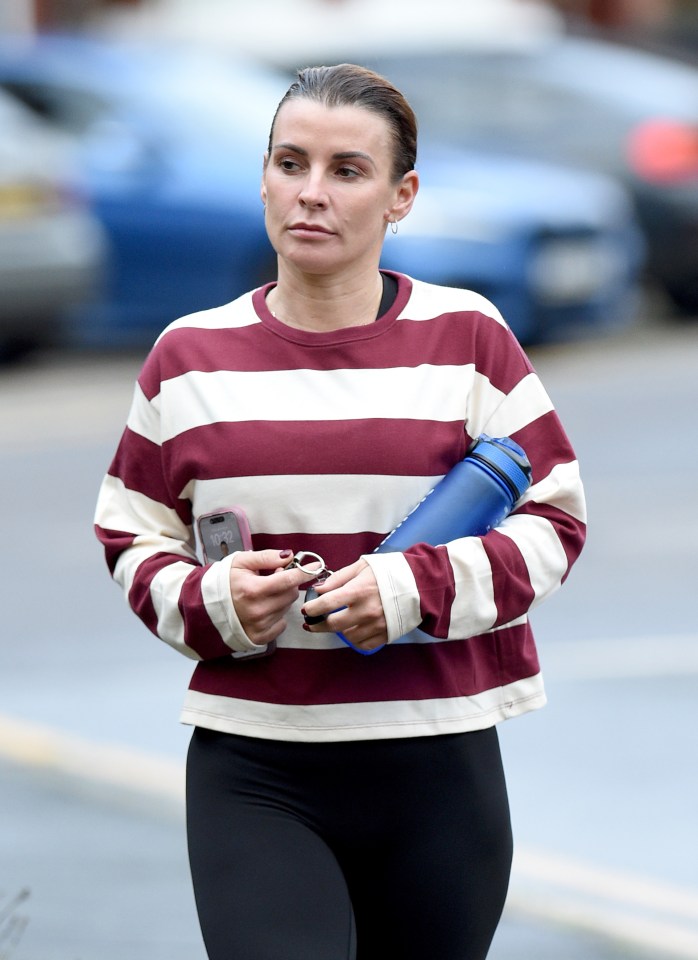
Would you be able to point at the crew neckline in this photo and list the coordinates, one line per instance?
(366, 331)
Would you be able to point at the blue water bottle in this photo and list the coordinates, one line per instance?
(474, 496)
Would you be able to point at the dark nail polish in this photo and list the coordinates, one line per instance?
(285, 554)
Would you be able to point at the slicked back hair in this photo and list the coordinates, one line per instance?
(349, 85)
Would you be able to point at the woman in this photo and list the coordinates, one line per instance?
(341, 805)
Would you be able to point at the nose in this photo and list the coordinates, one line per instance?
(313, 192)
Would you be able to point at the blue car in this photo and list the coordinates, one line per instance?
(170, 148)
(170, 145)
(558, 252)
(593, 105)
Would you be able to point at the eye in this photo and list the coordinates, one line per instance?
(347, 173)
(288, 165)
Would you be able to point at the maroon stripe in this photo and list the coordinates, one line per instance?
(253, 448)
(433, 574)
(150, 376)
(511, 584)
(499, 357)
(458, 338)
(419, 671)
(571, 532)
(114, 542)
(199, 632)
(138, 464)
(139, 597)
(546, 445)
(338, 550)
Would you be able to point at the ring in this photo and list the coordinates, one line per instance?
(304, 557)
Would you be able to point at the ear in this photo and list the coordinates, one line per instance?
(263, 187)
(405, 193)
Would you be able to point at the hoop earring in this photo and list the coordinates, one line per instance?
(393, 227)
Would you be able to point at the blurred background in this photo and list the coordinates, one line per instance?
(559, 168)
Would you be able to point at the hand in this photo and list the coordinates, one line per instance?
(261, 602)
(362, 620)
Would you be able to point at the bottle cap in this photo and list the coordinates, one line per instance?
(506, 459)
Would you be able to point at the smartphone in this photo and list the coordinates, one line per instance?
(221, 533)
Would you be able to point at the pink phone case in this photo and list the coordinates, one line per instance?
(222, 532)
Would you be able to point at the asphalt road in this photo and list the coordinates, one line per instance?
(602, 781)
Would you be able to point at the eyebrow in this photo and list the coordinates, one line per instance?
(342, 155)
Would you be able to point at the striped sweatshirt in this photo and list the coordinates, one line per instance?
(327, 440)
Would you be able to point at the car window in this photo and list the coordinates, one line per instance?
(502, 103)
(70, 109)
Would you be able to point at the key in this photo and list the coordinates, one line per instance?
(312, 594)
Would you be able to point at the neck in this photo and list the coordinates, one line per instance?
(326, 303)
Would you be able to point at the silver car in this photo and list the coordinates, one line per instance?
(51, 248)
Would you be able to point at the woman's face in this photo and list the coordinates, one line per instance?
(327, 187)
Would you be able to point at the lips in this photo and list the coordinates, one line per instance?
(311, 229)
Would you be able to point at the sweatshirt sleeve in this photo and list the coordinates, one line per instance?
(474, 584)
(148, 537)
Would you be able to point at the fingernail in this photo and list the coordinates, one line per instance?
(306, 627)
(303, 611)
(285, 554)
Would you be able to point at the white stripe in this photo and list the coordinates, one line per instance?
(398, 591)
(308, 502)
(196, 399)
(542, 552)
(120, 508)
(352, 721)
(428, 301)
(237, 313)
(562, 487)
(215, 590)
(165, 589)
(525, 403)
(144, 415)
(474, 610)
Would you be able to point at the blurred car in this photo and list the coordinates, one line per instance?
(51, 248)
(558, 253)
(508, 77)
(171, 146)
(587, 103)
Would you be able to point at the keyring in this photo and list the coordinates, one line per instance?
(303, 558)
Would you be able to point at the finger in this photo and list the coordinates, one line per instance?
(261, 559)
(360, 595)
(341, 577)
(276, 562)
(347, 621)
(364, 643)
(263, 633)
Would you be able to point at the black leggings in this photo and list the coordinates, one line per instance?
(380, 850)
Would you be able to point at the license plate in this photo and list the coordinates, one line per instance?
(18, 200)
(570, 271)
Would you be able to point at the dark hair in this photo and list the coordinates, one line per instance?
(348, 85)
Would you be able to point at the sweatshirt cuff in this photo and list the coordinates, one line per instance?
(398, 592)
(215, 589)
